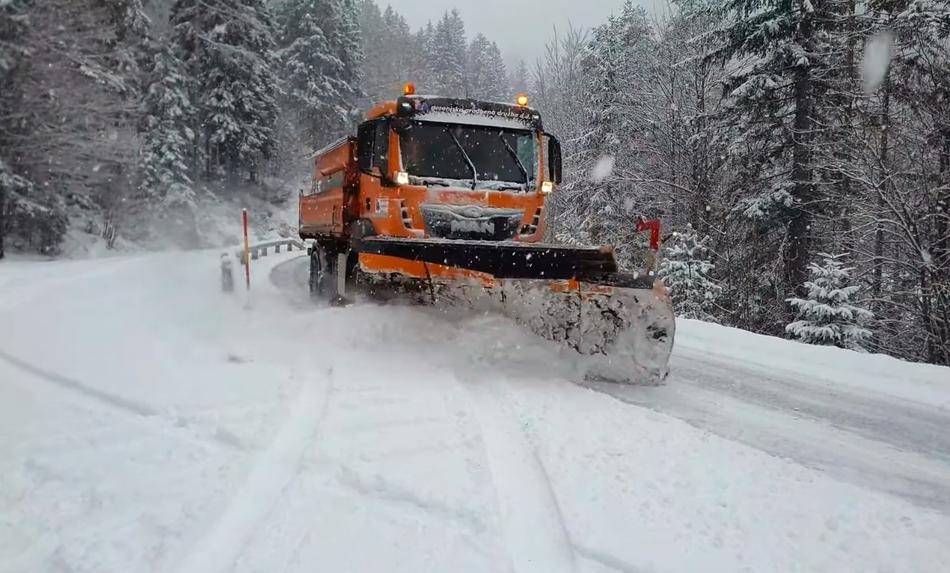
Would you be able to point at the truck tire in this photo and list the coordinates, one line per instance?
(318, 274)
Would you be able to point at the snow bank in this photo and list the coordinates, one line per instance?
(820, 365)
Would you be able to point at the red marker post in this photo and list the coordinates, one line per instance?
(247, 251)
(652, 225)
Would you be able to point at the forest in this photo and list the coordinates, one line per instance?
(796, 151)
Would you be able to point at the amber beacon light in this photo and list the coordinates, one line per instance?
(521, 99)
(408, 88)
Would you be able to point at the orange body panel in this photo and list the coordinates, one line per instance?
(395, 210)
(332, 193)
(419, 270)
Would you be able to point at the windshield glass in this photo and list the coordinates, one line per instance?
(451, 151)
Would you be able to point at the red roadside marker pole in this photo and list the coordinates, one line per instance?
(247, 251)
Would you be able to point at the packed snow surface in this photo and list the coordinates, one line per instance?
(150, 422)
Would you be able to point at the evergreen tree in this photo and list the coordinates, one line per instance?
(614, 114)
(422, 68)
(33, 220)
(828, 316)
(169, 138)
(686, 270)
(227, 47)
(447, 56)
(10, 55)
(497, 86)
(520, 81)
(320, 56)
(71, 134)
(388, 50)
(486, 77)
(782, 48)
(476, 76)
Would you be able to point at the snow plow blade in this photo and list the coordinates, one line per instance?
(621, 325)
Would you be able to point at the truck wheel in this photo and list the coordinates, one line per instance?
(317, 272)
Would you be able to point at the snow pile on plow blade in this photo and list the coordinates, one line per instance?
(622, 334)
(621, 325)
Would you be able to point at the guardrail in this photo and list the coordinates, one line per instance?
(260, 249)
(255, 252)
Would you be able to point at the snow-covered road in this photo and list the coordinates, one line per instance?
(151, 423)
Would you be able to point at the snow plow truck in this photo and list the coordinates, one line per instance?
(443, 199)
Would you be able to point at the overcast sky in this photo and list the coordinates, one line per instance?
(520, 27)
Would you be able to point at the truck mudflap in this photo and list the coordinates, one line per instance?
(621, 326)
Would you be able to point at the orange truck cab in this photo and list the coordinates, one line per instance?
(434, 168)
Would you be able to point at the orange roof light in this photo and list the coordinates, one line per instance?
(522, 100)
(408, 88)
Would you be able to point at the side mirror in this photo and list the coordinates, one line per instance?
(554, 159)
(401, 125)
(365, 139)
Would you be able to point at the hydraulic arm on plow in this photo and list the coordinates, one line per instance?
(445, 198)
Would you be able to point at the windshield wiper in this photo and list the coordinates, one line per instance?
(521, 167)
(467, 160)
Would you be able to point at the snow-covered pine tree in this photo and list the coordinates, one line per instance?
(345, 39)
(73, 131)
(399, 46)
(388, 52)
(686, 269)
(421, 70)
(168, 135)
(476, 74)
(320, 54)
(497, 86)
(613, 65)
(920, 221)
(558, 89)
(10, 56)
(227, 47)
(486, 76)
(31, 220)
(828, 315)
(447, 56)
(777, 47)
(520, 80)
(132, 37)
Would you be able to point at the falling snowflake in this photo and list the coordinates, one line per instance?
(877, 60)
(603, 168)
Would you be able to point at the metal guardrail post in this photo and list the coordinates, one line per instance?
(227, 273)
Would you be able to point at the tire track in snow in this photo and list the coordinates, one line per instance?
(606, 559)
(80, 388)
(81, 393)
(534, 529)
(273, 471)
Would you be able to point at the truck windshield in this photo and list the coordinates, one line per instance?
(488, 157)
